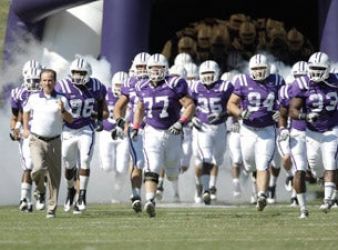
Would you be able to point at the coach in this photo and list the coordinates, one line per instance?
(43, 118)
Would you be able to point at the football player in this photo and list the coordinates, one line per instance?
(86, 96)
(31, 83)
(254, 102)
(314, 100)
(210, 95)
(161, 98)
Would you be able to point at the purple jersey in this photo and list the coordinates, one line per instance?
(320, 98)
(162, 106)
(128, 90)
(111, 99)
(284, 101)
(211, 99)
(82, 100)
(259, 97)
(19, 97)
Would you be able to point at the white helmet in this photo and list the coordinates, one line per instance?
(177, 70)
(140, 64)
(31, 80)
(258, 67)
(157, 67)
(209, 72)
(182, 59)
(117, 81)
(29, 65)
(228, 76)
(299, 69)
(80, 71)
(318, 67)
(192, 71)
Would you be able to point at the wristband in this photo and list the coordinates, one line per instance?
(136, 125)
(184, 119)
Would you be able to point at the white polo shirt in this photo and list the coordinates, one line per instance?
(46, 118)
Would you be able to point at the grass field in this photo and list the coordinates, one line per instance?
(117, 227)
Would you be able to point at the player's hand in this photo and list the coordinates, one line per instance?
(98, 126)
(245, 114)
(133, 133)
(120, 122)
(14, 134)
(283, 134)
(275, 116)
(117, 133)
(197, 123)
(176, 128)
(312, 117)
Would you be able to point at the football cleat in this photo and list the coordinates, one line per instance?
(159, 193)
(23, 205)
(50, 215)
(136, 204)
(70, 199)
(304, 214)
(81, 203)
(206, 198)
(198, 194)
(288, 183)
(271, 195)
(261, 202)
(76, 209)
(213, 191)
(326, 206)
(40, 201)
(149, 207)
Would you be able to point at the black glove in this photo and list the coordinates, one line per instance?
(197, 123)
(215, 117)
(245, 114)
(117, 133)
(176, 128)
(120, 122)
(133, 132)
(98, 126)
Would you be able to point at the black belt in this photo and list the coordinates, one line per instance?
(47, 139)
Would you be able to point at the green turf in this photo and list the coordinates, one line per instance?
(117, 227)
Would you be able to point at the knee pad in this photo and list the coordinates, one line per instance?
(151, 176)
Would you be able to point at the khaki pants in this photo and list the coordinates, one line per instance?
(46, 158)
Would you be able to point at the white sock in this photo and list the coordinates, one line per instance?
(136, 192)
(175, 186)
(212, 182)
(26, 190)
(205, 182)
(273, 181)
(150, 196)
(198, 180)
(293, 193)
(84, 182)
(301, 197)
(329, 188)
(235, 180)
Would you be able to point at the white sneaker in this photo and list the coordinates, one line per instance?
(50, 215)
(213, 191)
(40, 202)
(137, 205)
(149, 207)
(23, 205)
(304, 214)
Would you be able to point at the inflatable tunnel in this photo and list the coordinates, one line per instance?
(116, 30)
